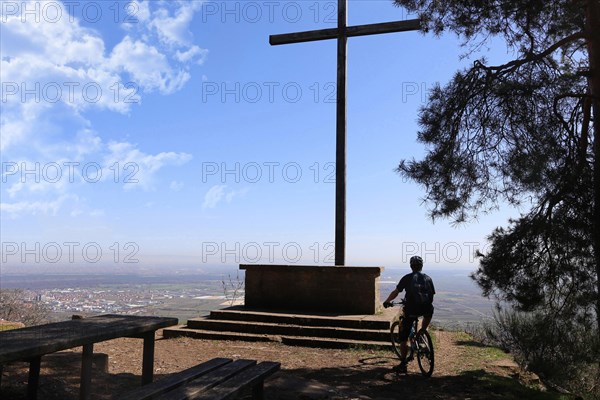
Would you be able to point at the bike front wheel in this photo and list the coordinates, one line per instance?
(425, 355)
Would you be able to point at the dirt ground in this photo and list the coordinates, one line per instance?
(464, 370)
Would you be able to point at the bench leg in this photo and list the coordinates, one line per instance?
(85, 389)
(258, 391)
(34, 378)
(148, 360)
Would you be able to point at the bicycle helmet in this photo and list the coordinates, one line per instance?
(416, 262)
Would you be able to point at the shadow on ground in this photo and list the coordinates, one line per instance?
(373, 379)
(370, 378)
(60, 377)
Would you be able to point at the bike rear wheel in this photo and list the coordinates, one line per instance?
(395, 336)
(425, 355)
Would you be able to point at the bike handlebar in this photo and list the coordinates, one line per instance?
(395, 303)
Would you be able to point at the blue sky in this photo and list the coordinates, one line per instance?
(154, 133)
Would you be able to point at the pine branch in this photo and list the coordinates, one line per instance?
(533, 57)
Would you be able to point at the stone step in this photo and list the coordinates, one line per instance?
(353, 322)
(210, 324)
(332, 343)
(305, 341)
(183, 330)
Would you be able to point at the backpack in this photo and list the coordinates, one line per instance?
(419, 291)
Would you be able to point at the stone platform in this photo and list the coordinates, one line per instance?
(341, 289)
(293, 328)
(301, 305)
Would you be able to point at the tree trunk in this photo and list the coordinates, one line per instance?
(593, 44)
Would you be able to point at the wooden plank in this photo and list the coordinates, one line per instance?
(208, 381)
(30, 342)
(385, 27)
(248, 378)
(85, 386)
(171, 382)
(301, 37)
(351, 31)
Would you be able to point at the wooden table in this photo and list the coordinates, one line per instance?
(31, 343)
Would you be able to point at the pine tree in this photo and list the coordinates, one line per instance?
(524, 132)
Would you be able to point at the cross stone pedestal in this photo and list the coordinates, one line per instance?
(341, 290)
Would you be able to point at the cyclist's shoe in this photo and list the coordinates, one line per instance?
(400, 368)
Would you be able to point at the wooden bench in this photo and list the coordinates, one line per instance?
(217, 379)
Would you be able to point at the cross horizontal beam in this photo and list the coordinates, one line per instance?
(333, 33)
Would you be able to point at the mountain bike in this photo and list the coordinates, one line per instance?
(419, 344)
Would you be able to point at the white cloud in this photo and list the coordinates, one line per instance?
(213, 196)
(218, 193)
(141, 167)
(189, 55)
(32, 186)
(172, 23)
(17, 209)
(176, 186)
(141, 10)
(35, 183)
(148, 67)
(235, 193)
(70, 70)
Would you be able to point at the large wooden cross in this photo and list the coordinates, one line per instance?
(342, 33)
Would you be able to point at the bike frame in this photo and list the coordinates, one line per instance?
(420, 344)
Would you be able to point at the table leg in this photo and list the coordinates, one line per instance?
(85, 389)
(34, 378)
(148, 361)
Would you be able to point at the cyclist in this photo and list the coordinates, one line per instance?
(418, 302)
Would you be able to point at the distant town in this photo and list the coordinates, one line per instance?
(183, 296)
(116, 300)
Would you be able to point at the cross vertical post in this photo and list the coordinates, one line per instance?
(340, 151)
(342, 33)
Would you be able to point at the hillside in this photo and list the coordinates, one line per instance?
(464, 369)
